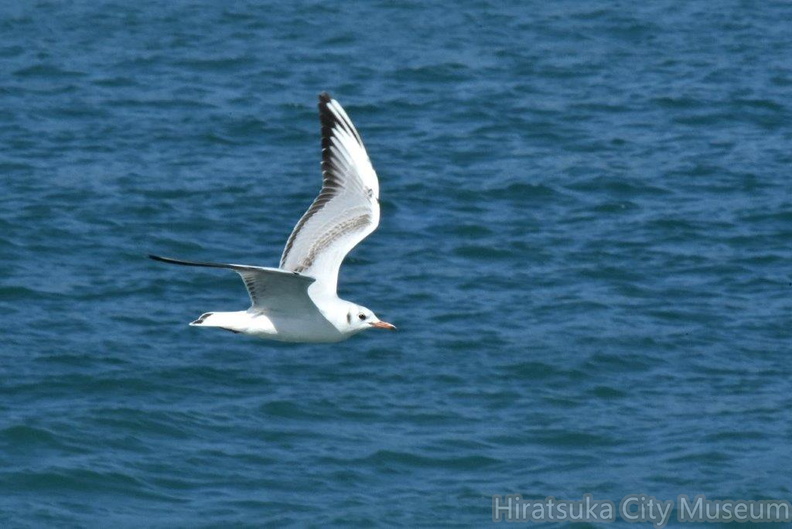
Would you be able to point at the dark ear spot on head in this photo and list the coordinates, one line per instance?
(349, 318)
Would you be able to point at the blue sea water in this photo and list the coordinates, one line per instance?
(586, 242)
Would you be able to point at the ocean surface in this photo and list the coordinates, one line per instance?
(586, 244)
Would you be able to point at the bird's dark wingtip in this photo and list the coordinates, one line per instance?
(324, 97)
(169, 260)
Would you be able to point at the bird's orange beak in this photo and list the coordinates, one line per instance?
(384, 325)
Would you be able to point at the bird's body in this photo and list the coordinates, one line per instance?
(314, 328)
(297, 302)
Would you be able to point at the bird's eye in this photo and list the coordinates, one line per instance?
(362, 316)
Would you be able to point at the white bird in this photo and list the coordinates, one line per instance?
(297, 302)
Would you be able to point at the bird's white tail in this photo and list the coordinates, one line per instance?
(230, 321)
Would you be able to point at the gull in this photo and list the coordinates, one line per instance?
(297, 302)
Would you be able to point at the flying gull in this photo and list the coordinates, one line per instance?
(297, 302)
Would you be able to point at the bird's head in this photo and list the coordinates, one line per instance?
(359, 318)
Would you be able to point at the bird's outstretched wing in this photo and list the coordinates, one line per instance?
(270, 289)
(347, 208)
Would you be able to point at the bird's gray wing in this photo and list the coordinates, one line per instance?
(270, 289)
(347, 208)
